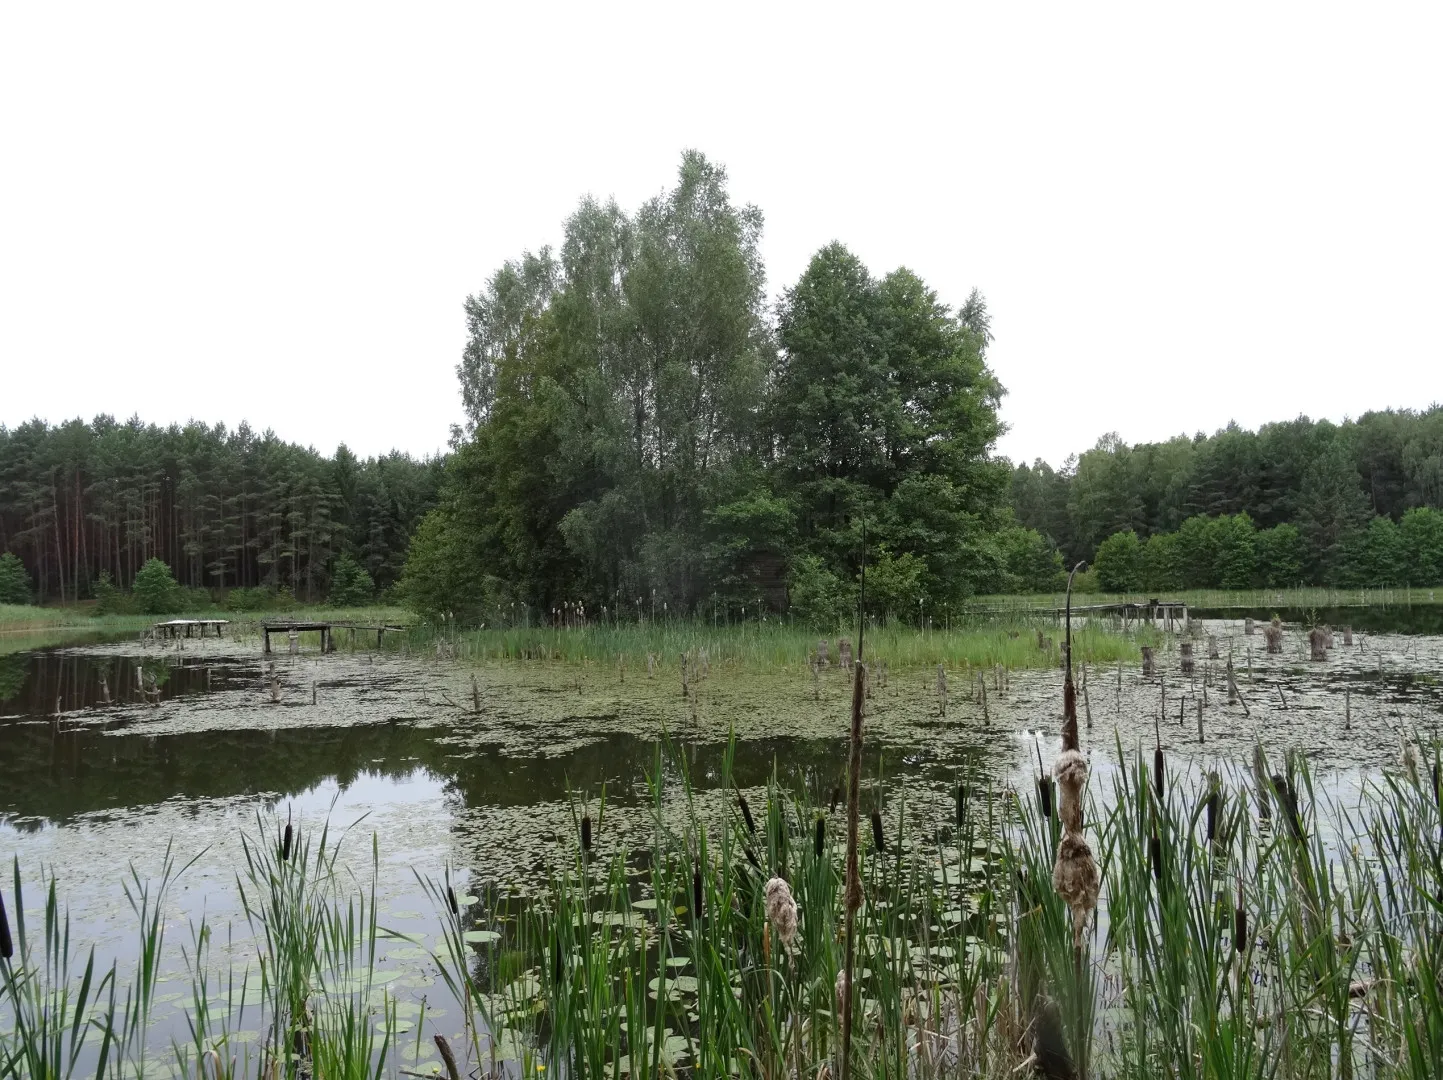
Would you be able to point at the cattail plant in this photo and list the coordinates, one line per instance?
(7, 944)
(746, 814)
(586, 833)
(879, 839)
(781, 910)
(1075, 875)
(819, 842)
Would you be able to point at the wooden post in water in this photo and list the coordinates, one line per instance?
(1185, 654)
(1248, 626)
(1147, 665)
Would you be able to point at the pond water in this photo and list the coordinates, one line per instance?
(115, 752)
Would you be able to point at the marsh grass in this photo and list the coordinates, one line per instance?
(965, 951)
(771, 645)
(320, 1008)
(662, 963)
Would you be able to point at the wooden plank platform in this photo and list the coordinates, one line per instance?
(325, 629)
(172, 627)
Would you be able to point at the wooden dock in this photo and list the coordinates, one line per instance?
(172, 628)
(325, 629)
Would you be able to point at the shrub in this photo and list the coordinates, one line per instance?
(110, 599)
(818, 596)
(14, 581)
(1119, 563)
(155, 589)
(351, 586)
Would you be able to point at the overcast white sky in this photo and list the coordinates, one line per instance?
(1179, 214)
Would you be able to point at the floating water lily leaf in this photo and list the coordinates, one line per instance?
(481, 937)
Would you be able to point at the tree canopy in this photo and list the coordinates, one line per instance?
(644, 431)
(222, 509)
(1295, 502)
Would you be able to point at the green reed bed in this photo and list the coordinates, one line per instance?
(1248, 930)
(1250, 927)
(313, 994)
(774, 644)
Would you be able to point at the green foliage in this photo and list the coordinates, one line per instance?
(351, 586)
(1326, 479)
(155, 589)
(819, 597)
(111, 600)
(641, 434)
(1235, 554)
(1030, 562)
(1375, 556)
(1161, 563)
(253, 599)
(1281, 555)
(1421, 532)
(1118, 562)
(442, 570)
(223, 508)
(894, 586)
(14, 581)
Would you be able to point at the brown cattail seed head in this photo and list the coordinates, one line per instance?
(961, 804)
(451, 901)
(286, 844)
(781, 910)
(585, 832)
(1154, 851)
(696, 898)
(1240, 926)
(1212, 816)
(877, 837)
(1075, 875)
(1157, 770)
(821, 837)
(1044, 795)
(836, 798)
(747, 814)
(1070, 771)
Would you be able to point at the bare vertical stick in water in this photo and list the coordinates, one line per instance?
(1086, 701)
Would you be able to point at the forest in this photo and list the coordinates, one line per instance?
(1295, 502)
(84, 506)
(645, 432)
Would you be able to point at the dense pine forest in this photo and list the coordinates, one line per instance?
(83, 504)
(1357, 503)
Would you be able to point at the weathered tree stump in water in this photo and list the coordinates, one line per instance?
(1273, 635)
(1213, 647)
(1348, 637)
(1147, 660)
(844, 653)
(1318, 643)
(823, 657)
(1184, 650)
(1248, 627)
